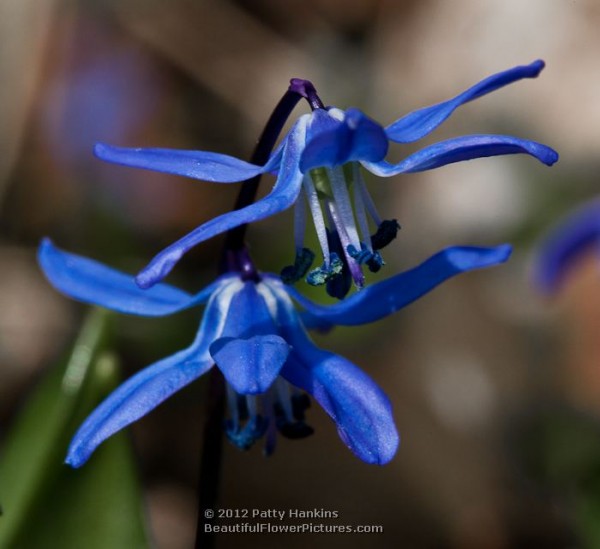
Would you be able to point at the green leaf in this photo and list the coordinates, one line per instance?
(97, 506)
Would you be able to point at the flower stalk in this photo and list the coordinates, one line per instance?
(297, 90)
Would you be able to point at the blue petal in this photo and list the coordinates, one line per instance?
(208, 166)
(94, 283)
(323, 121)
(250, 365)
(357, 137)
(577, 235)
(284, 194)
(387, 297)
(250, 352)
(462, 148)
(148, 388)
(248, 314)
(312, 322)
(361, 410)
(418, 124)
(134, 399)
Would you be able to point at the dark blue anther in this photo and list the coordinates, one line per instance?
(321, 275)
(372, 260)
(244, 438)
(386, 232)
(361, 256)
(375, 262)
(300, 403)
(293, 429)
(302, 263)
(339, 286)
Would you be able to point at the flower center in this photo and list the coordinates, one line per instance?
(251, 417)
(341, 209)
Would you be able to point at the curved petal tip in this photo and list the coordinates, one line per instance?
(466, 258)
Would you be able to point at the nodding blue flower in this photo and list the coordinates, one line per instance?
(253, 333)
(322, 155)
(566, 244)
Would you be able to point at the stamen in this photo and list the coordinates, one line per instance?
(232, 404)
(252, 408)
(375, 262)
(317, 215)
(362, 187)
(282, 390)
(243, 408)
(300, 403)
(282, 410)
(360, 256)
(368, 257)
(271, 433)
(296, 430)
(290, 412)
(292, 273)
(343, 206)
(386, 232)
(338, 286)
(326, 272)
(354, 267)
(359, 208)
(299, 222)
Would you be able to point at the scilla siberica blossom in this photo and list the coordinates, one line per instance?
(253, 333)
(322, 154)
(566, 244)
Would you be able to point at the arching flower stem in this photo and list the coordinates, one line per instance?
(297, 90)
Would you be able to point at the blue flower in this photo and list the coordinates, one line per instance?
(322, 155)
(253, 333)
(567, 244)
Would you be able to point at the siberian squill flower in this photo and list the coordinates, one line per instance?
(322, 155)
(567, 243)
(253, 333)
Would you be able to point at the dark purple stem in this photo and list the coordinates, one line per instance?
(210, 462)
(306, 89)
(297, 90)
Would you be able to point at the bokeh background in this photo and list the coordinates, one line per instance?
(496, 390)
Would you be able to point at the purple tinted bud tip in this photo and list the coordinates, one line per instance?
(306, 89)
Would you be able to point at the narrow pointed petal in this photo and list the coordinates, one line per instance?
(458, 149)
(387, 297)
(283, 196)
(360, 409)
(418, 124)
(574, 237)
(250, 365)
(207, 166)
(357, 137)
(134, 399)
(94, 283)
(148, 388)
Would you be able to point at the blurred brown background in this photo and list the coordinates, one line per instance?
(472, 369)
